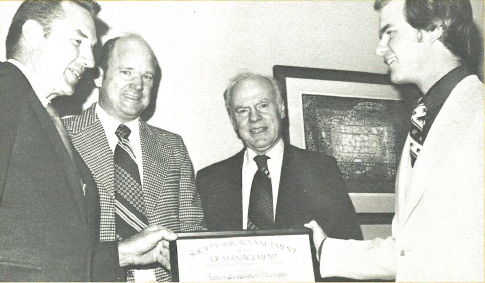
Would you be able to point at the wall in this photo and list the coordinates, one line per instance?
(201, 44)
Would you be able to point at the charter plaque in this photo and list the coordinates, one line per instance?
(243, 256)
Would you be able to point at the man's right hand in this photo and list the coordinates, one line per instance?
(148, 246)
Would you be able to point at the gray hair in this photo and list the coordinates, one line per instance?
(249, 76)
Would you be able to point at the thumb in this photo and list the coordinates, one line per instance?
(318, 234)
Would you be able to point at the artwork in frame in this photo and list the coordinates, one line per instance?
(359, 118)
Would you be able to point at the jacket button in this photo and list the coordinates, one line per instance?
(403, 253)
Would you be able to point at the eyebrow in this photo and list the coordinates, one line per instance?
(83, 35)
(383, 30)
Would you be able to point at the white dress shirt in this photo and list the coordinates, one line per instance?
(110, 125)
(250, 167)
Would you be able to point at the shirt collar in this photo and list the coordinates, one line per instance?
(440, 91)
(275, 154)
(32, 80)
(110, 124)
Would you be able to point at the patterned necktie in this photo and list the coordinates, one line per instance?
(129, 203)
(260, 211)
(418, 120)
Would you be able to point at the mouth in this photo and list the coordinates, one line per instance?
(76, 73)
(132, 96)
(258, 130)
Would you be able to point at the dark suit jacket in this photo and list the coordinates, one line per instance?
(48, 227)
(311, 187)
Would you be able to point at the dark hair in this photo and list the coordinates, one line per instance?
(107, 53)
(454, 16)
(247, 76)
(44, 12)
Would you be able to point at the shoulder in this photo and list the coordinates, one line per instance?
(13, 80)
(307, 156)
(78, 123)
(160, 134)
(230, 164)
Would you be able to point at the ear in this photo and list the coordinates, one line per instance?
(233, 122)
(282, 111)
(431, 36)
(99, 80)
(32, 33)
(436, 34)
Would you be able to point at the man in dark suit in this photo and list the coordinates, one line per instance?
(165, 193)
(302, 185)
(49, 206)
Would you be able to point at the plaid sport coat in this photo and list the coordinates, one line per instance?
(171, 199)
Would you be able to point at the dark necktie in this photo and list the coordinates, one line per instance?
(129, 203)
(416, 133)
(260, 211)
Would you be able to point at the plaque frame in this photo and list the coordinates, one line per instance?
(174, 255)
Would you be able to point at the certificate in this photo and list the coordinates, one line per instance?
(243, 256)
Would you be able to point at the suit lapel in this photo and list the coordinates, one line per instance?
(156, 154)
(100, 159)
(447, 124)
(70, 169)
(289, 201)
(89, 139)
(234, 189)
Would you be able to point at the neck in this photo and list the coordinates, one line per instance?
(439, 65)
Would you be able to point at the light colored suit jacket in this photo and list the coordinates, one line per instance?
(171, 199)
(438, 229)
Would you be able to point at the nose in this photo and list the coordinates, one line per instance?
(254, 115)
(381, 48)
(137, 83)
(87, 58)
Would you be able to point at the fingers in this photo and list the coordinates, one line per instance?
(161, 232)
(312, 224)
(318, 234)
(163, 255)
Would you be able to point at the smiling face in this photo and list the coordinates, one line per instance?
(257, 115)
(400, 45)
(126, 87)
(61, 57)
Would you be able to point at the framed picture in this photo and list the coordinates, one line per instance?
(359, 118)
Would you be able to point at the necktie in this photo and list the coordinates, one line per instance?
(418, 120)
(60, 128)
(260, 211)
(129, 201)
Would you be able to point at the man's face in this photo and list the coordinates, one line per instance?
(257, 115)
(400, 45)
(61, 58)
(126, 87)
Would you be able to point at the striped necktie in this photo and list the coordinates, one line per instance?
(129, 202)
(418, 120)
(260, 211)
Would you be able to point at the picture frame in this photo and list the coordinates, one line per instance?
(284, 255)
(359, 118)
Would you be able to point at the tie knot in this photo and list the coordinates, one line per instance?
(261, 161)
(123, 132)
